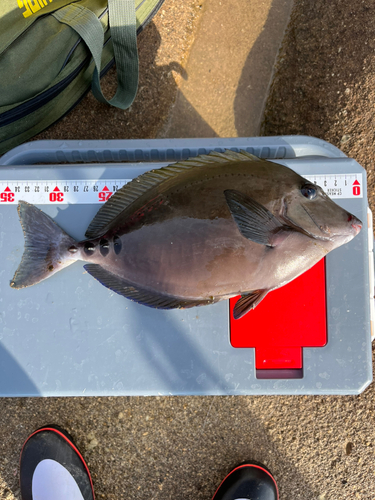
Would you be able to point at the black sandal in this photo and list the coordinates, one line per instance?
(248, 481)
(51, 462)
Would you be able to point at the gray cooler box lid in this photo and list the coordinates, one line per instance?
(70, 336)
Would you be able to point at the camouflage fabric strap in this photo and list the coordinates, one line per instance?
(122, 22)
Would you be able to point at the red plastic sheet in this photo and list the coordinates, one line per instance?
(288, 319)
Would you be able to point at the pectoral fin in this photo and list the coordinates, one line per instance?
(255, 221)
(247, 302)
(137, 294)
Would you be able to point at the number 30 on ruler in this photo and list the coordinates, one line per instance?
(56, 196)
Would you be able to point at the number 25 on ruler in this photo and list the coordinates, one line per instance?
(105, 194)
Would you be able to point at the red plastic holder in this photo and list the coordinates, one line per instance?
(288, 319)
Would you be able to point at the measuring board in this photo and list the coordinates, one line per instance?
(69, 335)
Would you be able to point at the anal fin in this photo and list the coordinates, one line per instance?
(139, 295)
(248, 302)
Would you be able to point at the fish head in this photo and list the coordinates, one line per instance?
(308, 208)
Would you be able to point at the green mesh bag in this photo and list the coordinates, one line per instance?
(53, 51)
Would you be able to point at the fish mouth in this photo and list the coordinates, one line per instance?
(356, 224)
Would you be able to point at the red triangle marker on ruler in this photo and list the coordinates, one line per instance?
(356, 188)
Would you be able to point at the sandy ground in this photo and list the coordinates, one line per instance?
(319, 448)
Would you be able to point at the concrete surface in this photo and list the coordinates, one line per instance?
(180, 448)
(319, 448)
(229, 69)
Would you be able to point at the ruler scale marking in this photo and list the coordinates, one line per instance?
(98, 191)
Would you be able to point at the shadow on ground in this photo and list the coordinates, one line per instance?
(180, 448)
(257, 72)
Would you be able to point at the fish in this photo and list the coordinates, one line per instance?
(194, 233)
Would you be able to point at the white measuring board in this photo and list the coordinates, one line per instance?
(99, 191)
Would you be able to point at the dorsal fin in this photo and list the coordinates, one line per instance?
(132, 191)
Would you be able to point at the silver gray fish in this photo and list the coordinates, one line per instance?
(196, 232)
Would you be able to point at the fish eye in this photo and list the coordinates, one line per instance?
(309, 191)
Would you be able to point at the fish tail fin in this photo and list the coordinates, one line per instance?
(46, 247)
